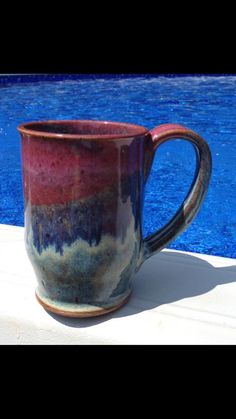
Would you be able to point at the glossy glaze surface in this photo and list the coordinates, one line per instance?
(84, 191)
(83, 205)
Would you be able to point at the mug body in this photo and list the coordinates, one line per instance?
(83, 189)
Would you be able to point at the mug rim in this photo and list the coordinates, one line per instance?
(135, 130)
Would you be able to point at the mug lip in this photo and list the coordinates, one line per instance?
(135, 130)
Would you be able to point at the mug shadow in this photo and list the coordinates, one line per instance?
(165, 278)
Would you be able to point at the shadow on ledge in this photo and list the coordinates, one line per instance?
(162, 279)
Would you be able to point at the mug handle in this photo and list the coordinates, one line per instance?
(192, 203)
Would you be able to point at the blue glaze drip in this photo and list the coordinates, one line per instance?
(90, 219)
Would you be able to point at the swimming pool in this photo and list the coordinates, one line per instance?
(205, 104)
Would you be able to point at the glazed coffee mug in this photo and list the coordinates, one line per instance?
(83, 191)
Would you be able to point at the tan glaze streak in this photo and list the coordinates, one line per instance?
(67, 226)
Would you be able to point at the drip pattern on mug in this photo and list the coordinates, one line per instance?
(82, 214)
(83, 189)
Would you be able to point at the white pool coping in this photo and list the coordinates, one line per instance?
(178, 298)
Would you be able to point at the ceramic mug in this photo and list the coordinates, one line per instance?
(83, 187)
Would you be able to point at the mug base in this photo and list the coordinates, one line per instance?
(77, 310)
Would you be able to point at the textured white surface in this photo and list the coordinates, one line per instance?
(178, 298)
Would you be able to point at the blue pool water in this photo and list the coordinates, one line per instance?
(205, 104)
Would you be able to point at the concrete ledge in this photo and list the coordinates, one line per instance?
(178, 298)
